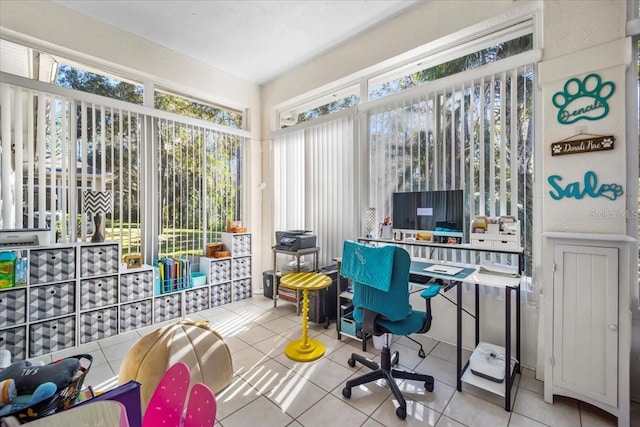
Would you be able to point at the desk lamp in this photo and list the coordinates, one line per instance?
(96, 202)
(370, 221)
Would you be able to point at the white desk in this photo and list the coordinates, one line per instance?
(508, 284)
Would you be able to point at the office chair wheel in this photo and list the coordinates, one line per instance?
(421, 353)
(401, 412)
(346, 392)
(352, 363)
(428, 385)
(395, 358)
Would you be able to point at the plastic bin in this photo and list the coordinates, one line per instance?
(198, 279)
(349, 326)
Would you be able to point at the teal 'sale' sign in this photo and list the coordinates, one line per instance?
(588, 187)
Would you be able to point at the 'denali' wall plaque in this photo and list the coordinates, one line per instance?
(583, 99)
(582, 145)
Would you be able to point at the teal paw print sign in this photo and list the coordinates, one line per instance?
(583, 99)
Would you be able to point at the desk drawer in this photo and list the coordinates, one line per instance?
(482, 243)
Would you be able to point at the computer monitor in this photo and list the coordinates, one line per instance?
(428, 210)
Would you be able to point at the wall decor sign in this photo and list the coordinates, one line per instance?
(583, 99)
(590, 187)
(582, 145)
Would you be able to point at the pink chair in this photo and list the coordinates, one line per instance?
(167, 402)
(201, 410)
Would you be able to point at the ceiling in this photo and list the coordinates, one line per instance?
(256, 40)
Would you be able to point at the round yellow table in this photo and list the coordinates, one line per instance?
(305, 349)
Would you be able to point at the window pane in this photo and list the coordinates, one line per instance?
(464, 63)
(200, 181)
(197, 109)
(98, 84)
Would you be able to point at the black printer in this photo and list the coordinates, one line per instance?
(295, 240)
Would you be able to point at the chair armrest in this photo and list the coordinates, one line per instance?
(430, 291)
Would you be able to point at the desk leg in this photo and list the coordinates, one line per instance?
(275, 282)
(459, 337)
(477, 304)
(518, 329)
(304, 349)
(507, 350)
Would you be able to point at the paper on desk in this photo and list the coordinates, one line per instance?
(488, 267)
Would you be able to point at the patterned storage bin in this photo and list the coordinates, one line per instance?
(48, 301)
(220, 294)
(220, 271)
(241, 268)
(98, 292)
(52, 265)
(98, 324)
(135, 315)
(135, 286)
(196, 300)
(14, 340)
(166, 307)
(12, 307)
(241, 245)
(53, 335)
(99, 260)
(242, 289)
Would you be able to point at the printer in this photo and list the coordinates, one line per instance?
(295, 240)
(25, 237)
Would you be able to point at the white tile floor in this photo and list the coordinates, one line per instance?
(268, 389)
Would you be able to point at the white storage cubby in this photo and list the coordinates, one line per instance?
(77, 293)
(229, 278)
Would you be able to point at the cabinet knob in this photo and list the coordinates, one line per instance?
(613, 327)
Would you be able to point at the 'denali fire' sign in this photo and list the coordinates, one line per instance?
(583, 145)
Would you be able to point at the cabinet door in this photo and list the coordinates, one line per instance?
(585, 321)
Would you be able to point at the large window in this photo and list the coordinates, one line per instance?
(459, 118)
(175, 181)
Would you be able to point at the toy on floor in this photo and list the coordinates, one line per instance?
(195, 343)
(24, 384)
(16, 402)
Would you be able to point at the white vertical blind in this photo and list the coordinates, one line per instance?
(56, 146)
(315, 185)
(472, 136)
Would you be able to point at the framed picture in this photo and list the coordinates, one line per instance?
(133, 260)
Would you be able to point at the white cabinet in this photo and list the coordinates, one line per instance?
(586, 321)
(585, 313)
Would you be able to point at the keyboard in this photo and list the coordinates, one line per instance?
(420, 279)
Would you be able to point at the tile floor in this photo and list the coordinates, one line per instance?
(268, 389)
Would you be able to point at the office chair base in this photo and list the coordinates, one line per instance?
(384, 371)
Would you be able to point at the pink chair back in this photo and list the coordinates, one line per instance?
(167, 402)
(201, 410)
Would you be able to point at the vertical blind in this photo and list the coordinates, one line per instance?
(54, 147)
(474, 135)
(314, 181)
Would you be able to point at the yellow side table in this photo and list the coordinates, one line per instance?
(305, 349)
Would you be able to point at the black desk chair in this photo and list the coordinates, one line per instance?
(380, 278)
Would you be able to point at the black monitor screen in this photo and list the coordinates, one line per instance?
(428, 210)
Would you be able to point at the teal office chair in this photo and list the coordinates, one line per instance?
(380, 277)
